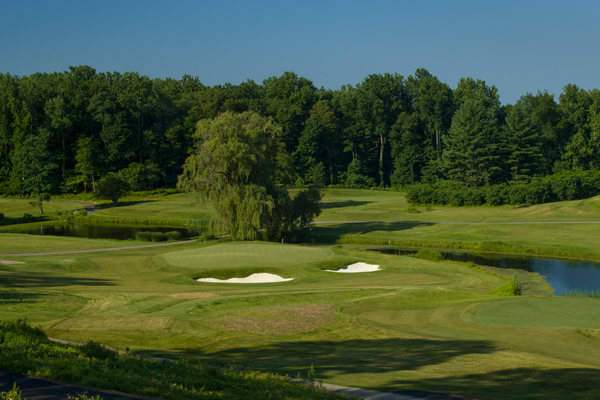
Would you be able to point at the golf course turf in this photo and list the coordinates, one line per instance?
(413, 324)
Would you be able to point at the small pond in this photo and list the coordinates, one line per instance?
(96, 231)
(562, 274)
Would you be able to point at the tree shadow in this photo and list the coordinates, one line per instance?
(334, 232)
(104, 206)
(340, 204)
(522, 383)
(334, 358)
(39, 280)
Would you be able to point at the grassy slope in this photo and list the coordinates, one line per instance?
(171, 206)
(15, 208)
(13, 243)
(415, 324)
(367, 205)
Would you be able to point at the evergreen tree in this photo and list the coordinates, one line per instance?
(521, 144)
(472, 150)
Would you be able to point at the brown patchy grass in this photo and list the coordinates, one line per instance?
(197, 295)
(280, 320)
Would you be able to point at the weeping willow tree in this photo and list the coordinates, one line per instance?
(237, 163)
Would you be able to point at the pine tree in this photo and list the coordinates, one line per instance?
(472, 150)
(521, 144)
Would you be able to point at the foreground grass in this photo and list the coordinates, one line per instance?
(27, 350)
(416, 324)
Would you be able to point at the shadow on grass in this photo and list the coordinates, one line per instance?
(104, 206)
(522, 383)
(38, 280)
(341, 204)
(7, 298)
(334, 358)
(337, 231)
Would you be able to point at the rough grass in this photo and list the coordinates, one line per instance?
(15, 208)
(279, 320)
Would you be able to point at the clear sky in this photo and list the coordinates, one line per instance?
(518, 46)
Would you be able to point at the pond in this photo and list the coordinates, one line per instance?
(562, 274)
(96, 231)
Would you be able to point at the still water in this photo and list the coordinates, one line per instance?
(562, 274)
(97, 231)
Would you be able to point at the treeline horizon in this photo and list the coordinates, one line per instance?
(385, 131)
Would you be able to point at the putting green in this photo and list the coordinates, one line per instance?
(243, 255)
(540, 312)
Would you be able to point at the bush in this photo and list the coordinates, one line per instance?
(411, 210)
(82, 213)
(173, 235)
(143, 236)
(1, 215)
(21, 325)
(515, 285)
(95, 350)
(13, 394)
(428, 254)
(28, 218)
(158, 237)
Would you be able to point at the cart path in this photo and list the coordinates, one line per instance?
(93, 250)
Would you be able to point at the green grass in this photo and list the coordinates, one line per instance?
(416, 324)
(180, 205)
(369, 205)
(15, 243)
(15, 208)
(25, 350)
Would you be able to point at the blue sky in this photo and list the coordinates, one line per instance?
(518, 46)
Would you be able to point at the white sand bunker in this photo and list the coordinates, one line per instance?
(357, 267)
(254, 278)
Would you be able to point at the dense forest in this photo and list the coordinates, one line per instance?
(77, 126)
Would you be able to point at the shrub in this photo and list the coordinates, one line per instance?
(428, 254)
(13, 394)
(173, 235)
(82, 213)
(411, 210)
(21, 325)
(158, 237)
(515, 285)
(143, 236)
(1, 215)
(95, 350)
(28, 218)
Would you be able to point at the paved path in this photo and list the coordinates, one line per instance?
(90, 251)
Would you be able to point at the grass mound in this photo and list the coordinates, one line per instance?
(280, 320)
(25, 351)
(244, 255)
(549, 312)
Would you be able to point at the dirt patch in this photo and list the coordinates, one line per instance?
(281, 320)
(197, 295)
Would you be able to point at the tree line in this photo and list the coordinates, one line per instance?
(388, 130)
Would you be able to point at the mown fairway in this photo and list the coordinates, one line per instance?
(171, 206)
(15, 208)
(415, 324)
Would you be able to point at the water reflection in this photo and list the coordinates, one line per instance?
(562, 274)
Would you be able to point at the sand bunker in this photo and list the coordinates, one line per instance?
(357, 267)
(254, 278)
(10, 262)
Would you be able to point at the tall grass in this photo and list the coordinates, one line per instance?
(595, 294)
(95, 366)
(428, 254)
